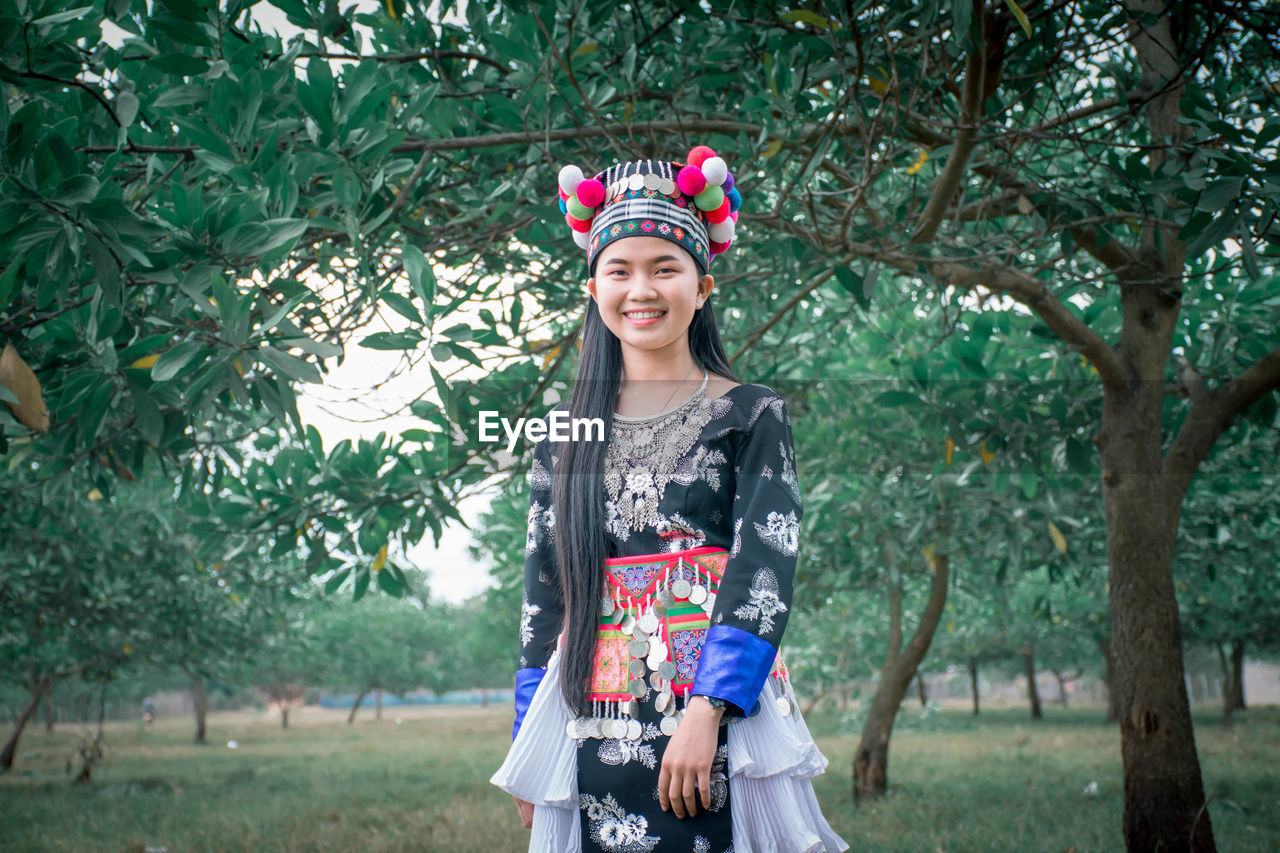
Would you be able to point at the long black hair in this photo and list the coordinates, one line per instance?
(578, 488)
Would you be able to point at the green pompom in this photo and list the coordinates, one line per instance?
(577, 209)
(709, 199)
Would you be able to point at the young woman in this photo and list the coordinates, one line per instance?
(653, 710)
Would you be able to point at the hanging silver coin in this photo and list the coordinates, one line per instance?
(590, 727)
(638, 648)
(667, 187)
(649, 623)
(710, 603)
(668, 726)
(635, 182)
(681, 588)
(698, 594)
(633, 708)
(652, 181)
(667, 670)
(636, 688)
(660, 703)
(606, 606)
(784, 705)
(621, 729)
(637, 668)
(634, 730)
(660, 608)
(654, 662)
(628, 624)
(639, 633)
(655, 681)
(666, 597)
(571, 728)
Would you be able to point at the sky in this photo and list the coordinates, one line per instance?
(357, 396)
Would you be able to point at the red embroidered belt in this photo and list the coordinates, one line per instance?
(654, 615)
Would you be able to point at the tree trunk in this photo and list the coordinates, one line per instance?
(1062, 687)
(38, 689)
(1033, 693)
(1143, 490)
(1237, 674)
(50, 716)
(1108, 680)
(973, 683)
(200, 701)
(284, 716)
(922, 690)
(377, 698)
(871, 760)
(355, 706)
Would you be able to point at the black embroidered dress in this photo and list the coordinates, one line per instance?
(709, 472)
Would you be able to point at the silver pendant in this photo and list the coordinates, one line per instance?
(635, 182)
(606, 606)
(634, 730)
(652, 181)
(666, 598)
(636, 688)
(681, 588)
(668, 726)
(628, 624)
(660, 608)
(784, 705)
(667, 187)
(710, 603)
(633, 708)
(620, 729)
(667, 670)
(649, 623)
(698, 594)
(671, 704)
(637, 668)
(638, 648)
(655, 681)
(660, 703)
(639, 633)
(571, 729)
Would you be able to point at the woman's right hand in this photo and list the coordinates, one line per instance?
(526, 812)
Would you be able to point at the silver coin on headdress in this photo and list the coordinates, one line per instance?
(635, 182)
(652, 181)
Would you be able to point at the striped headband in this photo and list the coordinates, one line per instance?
(694, 206)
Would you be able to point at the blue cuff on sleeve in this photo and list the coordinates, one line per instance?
(527, 681)
(733, 665)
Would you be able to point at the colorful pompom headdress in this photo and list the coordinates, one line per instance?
(692, 204)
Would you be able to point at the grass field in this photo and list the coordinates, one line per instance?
(994, 784)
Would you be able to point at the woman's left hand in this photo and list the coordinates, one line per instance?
(686, 764)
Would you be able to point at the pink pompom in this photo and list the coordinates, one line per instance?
(734, 216)
(690, 180)
(720, 214)
(591, 193)
(580, 225)
(698, 155)
(717, 248)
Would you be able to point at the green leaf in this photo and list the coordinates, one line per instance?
(1029, 482)
(67, 15)
(332, 584)
(421, 277)
(408, 339)
(171, 362)
(896, 398)
(1220, 195)
(1017, 13)
(126, 108)
(290, 365)
(362, 584)
(78, 189)
(402, 306)
(8, 279)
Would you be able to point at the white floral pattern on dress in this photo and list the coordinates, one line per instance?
(677, 534)
(788, 475)
(765, 602)
(615, 751)
(780, 532)
(700, 465)
(527, 612)
(614, 828)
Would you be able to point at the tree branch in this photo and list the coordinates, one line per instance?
(816, 282)
(953, 172)
(1214, 412)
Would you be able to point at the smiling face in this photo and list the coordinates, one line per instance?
(647, 290)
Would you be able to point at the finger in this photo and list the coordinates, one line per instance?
(690, 796)
(664, 779)
(704, 787)
(677, 796)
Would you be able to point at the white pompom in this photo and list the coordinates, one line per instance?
(570, 177)
(715, 170)
(582, 238)
(721, 232)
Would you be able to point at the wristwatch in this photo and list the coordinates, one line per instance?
(714, 701)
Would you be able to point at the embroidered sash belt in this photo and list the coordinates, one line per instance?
(654, 615)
